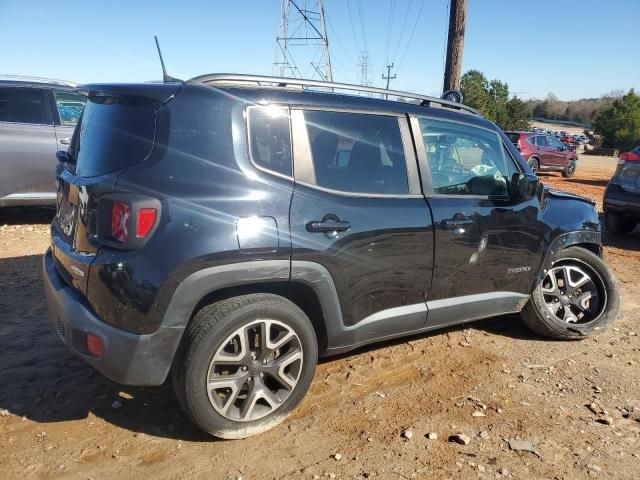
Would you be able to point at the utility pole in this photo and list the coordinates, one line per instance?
(455, 44)
(302, 24)
(389, 77)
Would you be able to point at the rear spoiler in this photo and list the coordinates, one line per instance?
(158, 92)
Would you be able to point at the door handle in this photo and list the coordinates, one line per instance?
(451, 224)
(458, 227)
(327, 227)
(65, 141)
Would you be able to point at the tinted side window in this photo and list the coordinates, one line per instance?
(541, 141)
(22, 105)
(270, 138)
(357, 153)
(465, 160)
(70, 105)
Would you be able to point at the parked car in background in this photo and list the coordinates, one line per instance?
(37, 118)
(622, 196)
(228, 230)
(545, 152)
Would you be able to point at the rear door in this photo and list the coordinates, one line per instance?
(27, 143)
(546, 153)
(487, 243)
(357, 210)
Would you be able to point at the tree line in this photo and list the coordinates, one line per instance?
(614, 117)
(581, 111)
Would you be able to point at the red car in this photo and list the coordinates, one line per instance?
(545, 152)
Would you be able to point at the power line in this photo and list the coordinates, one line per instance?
(411, 36)
(389, 29)
(404, 24)
(353, 28)
(337, 37)
(361, 15)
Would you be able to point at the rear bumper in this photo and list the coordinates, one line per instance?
(617, 200)
(129, 359)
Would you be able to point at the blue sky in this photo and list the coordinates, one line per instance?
(573, 48)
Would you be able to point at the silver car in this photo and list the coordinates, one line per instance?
(37, 118)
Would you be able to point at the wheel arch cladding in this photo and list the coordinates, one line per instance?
(264, 276)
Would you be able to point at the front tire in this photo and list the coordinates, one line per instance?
(244, 364)
(534, 164)
(618, 223)
(578, 297)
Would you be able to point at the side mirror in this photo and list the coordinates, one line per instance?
(523, 186)
(63, 156)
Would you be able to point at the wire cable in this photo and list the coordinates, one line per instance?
(404, 24)
(404, 54)
(364, 34)
(389, 30)
(353, 28)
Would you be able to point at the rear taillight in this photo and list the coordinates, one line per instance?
(119, 221)
(146, 219)
(628, 157)
(127, 220)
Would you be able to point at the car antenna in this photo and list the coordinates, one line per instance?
(165, 78)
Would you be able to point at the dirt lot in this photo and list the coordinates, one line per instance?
(492, 381)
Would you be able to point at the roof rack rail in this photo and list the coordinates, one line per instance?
(25, 78)
(263, 80)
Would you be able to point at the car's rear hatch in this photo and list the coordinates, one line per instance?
(117, 130)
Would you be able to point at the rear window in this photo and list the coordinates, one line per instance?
(113, 133)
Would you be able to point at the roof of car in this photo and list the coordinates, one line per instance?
(274, 90)
(25, 81)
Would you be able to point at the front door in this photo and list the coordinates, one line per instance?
(557, 149)
(487, 244)
(357, 211)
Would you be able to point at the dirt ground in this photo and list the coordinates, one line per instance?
(491, 380)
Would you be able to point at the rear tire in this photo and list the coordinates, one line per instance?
(534, 163)
(578, 298)
(244, 364)
(618, 223)
(569, 169)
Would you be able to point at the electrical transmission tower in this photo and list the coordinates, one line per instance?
(302, 24)
(363, 67)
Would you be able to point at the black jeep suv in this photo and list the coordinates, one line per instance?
(230, 229)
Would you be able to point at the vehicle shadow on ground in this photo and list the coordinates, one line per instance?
(630, 241)
(41, 380)
(584, 181)
(26, 215)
